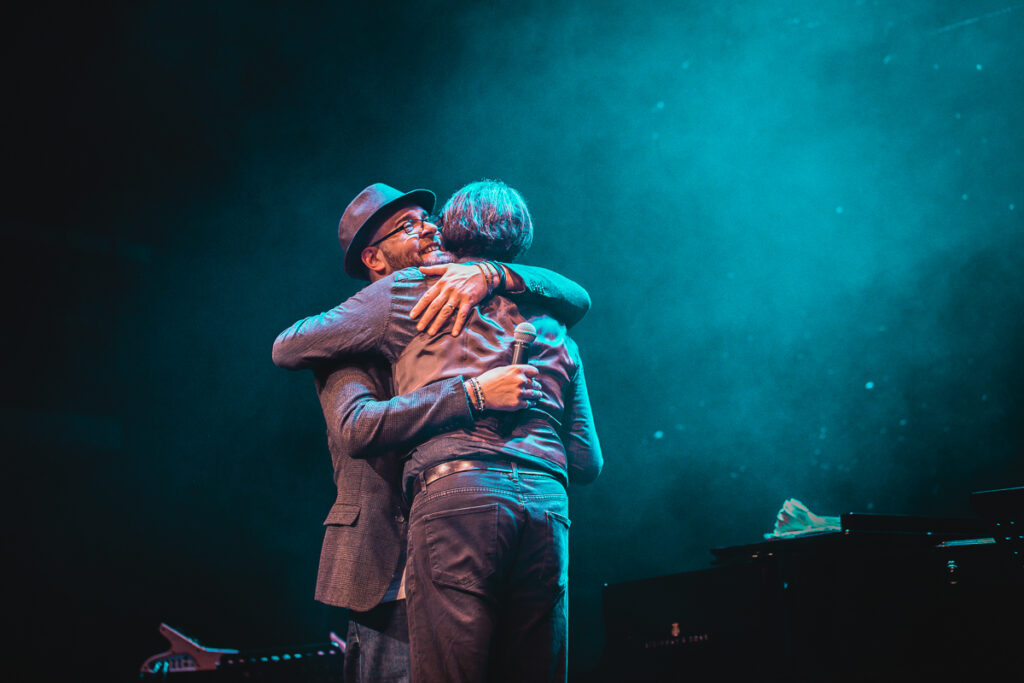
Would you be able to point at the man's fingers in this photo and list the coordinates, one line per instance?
(442, 318)
(460, 319)
(436, 308)
(425, 300)
(528, 370)
(434, 270)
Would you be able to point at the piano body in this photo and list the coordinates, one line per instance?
(885, 598)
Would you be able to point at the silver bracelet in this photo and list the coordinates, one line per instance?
(499, 270)
(486, 274)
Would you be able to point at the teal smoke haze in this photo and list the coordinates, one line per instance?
(800, 223)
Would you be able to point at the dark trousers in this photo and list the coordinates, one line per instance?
(378, 645)
(486, 578)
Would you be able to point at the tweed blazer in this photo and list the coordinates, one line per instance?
(366, 434)
(376, 320)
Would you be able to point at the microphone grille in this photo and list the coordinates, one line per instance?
(525, 332)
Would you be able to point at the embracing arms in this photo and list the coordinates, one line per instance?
(355, 326)
(579, 436)
(461, 288)
(364, 422)
(361, 324)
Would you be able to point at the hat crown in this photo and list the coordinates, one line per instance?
(362, 208)
(364, 215)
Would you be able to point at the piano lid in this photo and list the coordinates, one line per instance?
(863, 529)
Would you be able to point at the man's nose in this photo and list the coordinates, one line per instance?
(428, 229)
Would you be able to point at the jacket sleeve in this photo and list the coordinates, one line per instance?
(579, 436)
(365, 423)
(354, 326)
(563, 298)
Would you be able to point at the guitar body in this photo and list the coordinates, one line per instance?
(188, 660)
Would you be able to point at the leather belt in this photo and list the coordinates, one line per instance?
(432, 474)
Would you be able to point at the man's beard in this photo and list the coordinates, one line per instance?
(398, 261)
(437, 258)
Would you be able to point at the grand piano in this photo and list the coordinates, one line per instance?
(880, 598)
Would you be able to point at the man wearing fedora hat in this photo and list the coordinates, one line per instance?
(488, 529)
(363, 553)
(384, 230)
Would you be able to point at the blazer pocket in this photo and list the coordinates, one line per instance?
(342, 514)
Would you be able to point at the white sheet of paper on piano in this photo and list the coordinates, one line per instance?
(795, 519)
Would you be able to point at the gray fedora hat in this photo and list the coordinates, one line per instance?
(366, 213)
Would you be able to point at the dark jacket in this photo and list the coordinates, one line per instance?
(365, 529)
(367, 431)
(557, 435)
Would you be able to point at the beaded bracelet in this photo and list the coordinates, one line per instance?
(472, 395)
(480, 400)
(474, 398)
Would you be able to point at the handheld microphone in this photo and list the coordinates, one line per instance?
(524, 335)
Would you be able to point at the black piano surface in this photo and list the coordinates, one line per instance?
(886, 598)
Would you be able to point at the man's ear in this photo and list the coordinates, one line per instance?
(374, 261)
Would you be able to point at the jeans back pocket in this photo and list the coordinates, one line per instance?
(462, 545)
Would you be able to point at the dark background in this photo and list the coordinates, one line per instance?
(800, 223)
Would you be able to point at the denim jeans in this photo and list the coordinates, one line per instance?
(378, 645)
(486, 580)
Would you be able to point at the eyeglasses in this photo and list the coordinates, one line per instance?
(411, 226)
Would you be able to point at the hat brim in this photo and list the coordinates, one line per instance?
(354, 255)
